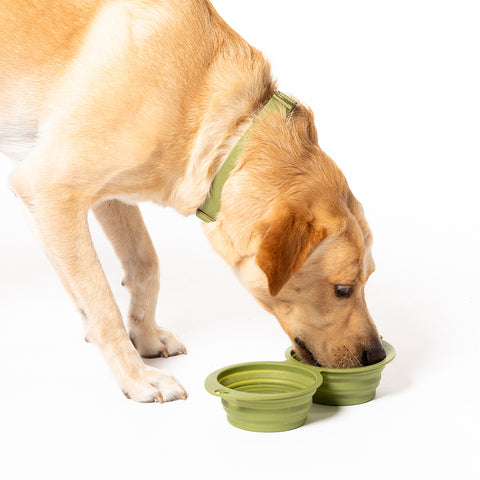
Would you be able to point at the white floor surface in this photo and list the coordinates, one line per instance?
(394, 87)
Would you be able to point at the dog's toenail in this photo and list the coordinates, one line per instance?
(158, 398)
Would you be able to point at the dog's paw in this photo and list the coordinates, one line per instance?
(154, 385)
(155, 343)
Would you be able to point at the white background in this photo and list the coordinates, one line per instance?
(394, 86)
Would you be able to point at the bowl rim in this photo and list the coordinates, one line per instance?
(214, 387)
(389, 350)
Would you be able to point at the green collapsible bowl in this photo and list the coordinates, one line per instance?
(265, 396)
(347, 386)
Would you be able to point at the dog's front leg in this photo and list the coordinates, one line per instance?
(59, 211)
(123, 224)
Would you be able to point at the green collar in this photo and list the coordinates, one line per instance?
(211, 206)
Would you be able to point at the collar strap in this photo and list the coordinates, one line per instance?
(211, 206)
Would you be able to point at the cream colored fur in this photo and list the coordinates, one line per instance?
(106, 103)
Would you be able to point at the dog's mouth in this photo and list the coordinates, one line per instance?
(306, 354)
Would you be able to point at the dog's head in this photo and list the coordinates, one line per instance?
(298, 240)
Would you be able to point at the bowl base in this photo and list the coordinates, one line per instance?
(321, 398)
(266, 428)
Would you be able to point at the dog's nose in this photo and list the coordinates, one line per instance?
(374, 355)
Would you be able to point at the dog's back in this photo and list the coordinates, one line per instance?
(31, 58)
(56, 54)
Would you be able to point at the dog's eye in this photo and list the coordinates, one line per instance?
(343, 291)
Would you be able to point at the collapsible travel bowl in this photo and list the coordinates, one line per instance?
(265, 396)
(347, 386)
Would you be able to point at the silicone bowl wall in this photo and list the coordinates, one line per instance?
(348, 386)
(265, 396)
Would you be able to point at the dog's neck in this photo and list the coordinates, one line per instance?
(225, 120)
(211, 206)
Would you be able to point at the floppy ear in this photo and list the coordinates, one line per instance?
(290, 237)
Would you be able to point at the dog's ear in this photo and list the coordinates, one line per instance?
(290, 234)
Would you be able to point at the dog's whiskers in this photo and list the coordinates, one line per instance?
(356, 362)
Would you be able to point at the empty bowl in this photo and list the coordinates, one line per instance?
(347, 386)
(265, 396)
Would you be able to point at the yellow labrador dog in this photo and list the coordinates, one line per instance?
(107, 103)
